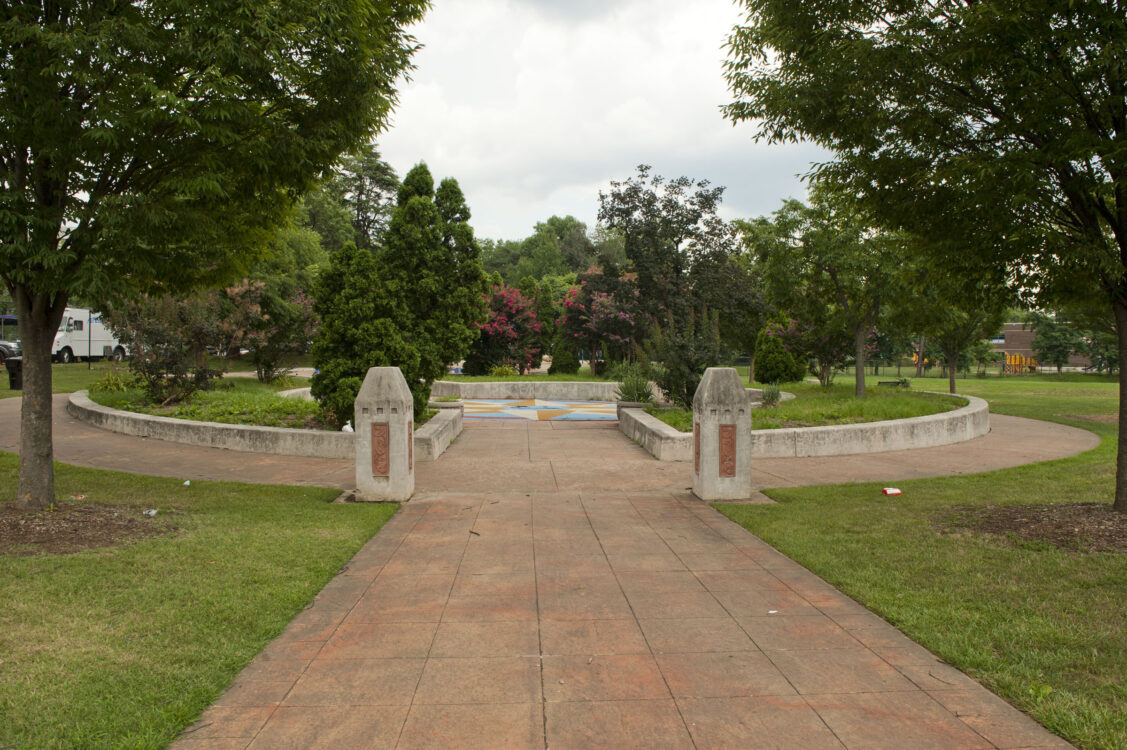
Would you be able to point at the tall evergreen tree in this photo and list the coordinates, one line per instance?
(360, 328)
(431, 266)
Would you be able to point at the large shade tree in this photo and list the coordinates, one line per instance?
(825, 266)
(150, 145)
(1012, 114)
(669, 228)
(666, 226)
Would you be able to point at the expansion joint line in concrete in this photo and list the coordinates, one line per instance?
(630, 605)
(712, 511)
(445, 604)
(539, 622)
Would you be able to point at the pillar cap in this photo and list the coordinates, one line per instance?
(720, 385)
(385, 384)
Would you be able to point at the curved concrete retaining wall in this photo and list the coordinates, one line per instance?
(551, 390)
(431, 440)
(965, 423)
(548, 390)
(305, 393)
(665, 443)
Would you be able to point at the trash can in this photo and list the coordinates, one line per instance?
(14, 366)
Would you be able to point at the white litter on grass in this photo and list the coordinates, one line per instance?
(187, 482)
(151, 512)
(890, 491)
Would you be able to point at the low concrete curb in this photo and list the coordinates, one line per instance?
(663, 442)
(973, 420)
(431, 440)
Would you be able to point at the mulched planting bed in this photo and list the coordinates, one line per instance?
(73, 527)
(1080, 527)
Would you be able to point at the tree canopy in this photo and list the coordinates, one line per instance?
(1002, 122)
(150, 146)
(666, 226)
(830, 270)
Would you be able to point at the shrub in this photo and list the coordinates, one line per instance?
(681, 351)
(773, 363)
(166, 337)
(565, 359)
(114, 381)
(509, 336)
(771, 396)
(412, 303)
(634, 382)
(502, 371)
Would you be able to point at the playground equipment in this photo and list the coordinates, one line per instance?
(1016, 364)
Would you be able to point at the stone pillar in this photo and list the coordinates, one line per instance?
(721, 437)
(385, 437)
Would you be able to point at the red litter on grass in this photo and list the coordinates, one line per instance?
(890, 491)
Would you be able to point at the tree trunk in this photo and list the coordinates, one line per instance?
(39, 321)
(920, 358)
(751, 369)
(860, 336)
(952, 363)
(1119, 307)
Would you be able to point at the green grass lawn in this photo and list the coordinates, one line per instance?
(124, 647)
(235, 401)
(1041, 626)
(76, 376)
(231, 401)
(814, 406)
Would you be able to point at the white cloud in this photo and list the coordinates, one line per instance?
(534, 105)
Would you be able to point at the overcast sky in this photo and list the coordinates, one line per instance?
(535, 105)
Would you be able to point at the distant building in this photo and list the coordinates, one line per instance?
(1017, 338)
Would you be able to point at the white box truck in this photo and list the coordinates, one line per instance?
(82, 334)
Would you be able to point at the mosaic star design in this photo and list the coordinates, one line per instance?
(539, 410)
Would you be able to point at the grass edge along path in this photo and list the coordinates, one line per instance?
(1040, 626)
(126, 646)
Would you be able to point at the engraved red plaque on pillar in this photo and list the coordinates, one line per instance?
(727, 450)
(410, 446)
(696, 447)
(380, 463)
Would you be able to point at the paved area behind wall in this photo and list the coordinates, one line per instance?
(1012, 441)
(601, 606)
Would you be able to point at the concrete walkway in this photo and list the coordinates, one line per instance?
(600, 606)
(552, 586)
